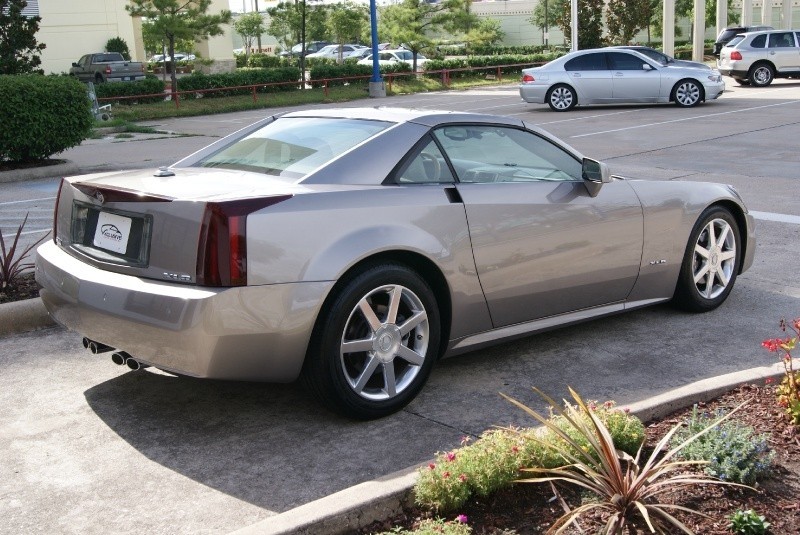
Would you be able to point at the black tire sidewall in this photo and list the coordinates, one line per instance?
(753, 80)
(686, 295)
(699, 95)
(323, 372)
(549, 97)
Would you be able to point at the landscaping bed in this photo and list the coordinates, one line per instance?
(531, 508)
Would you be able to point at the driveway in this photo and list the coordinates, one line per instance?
(88, 447)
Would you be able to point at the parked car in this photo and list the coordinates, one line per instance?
(312, 47)
(179, 56)
(760, 57)
(663, 59)
(614, 75)
(388, 57)
(107, 67)
(332, 51)
(727, 34)
(355, 247)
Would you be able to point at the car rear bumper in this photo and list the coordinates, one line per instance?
(257, 333)
(533, 93)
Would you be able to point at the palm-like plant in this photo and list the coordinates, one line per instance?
(625, 488)
(11, 263)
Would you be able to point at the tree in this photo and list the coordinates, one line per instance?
(19, 51)
(485, 32)
(118, 44)
(411, 21)
(625, 18)
(346, 23)
(250, 26)
(553, 17)
(286, 23)
(179, 19)
(590, 23)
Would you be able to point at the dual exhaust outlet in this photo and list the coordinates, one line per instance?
(119, 358)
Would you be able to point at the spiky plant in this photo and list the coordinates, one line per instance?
(625, 488)
(11, 263)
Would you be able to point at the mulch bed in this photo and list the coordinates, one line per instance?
(531, 508)
(25, 287)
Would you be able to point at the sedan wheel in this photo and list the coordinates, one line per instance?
(711, 262)
(379, 339)
(562, 98)
(688, 93)
(761, 75)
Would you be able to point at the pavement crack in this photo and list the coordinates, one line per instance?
(462, 432)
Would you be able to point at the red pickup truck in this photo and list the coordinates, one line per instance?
(107, 67)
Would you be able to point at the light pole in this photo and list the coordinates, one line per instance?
(376, 85)
(259, 35)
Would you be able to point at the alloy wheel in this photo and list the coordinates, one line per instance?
(714, 258)
(687, 94)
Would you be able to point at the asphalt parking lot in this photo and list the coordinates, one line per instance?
(88, 447)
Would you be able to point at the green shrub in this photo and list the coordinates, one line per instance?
(748, 523)
(436, 526)
(266, 61)
(494, 461)
(330, 71)
(41, 116)
(733, 451)
(519, 62)
(151, 85)
(241, 78)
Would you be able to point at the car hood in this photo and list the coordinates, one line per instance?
(193, 183)
(684, 64)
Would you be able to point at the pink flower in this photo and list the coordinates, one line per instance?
(769, 380)
(608, 404)
(626, 410)
(432, 466)
(451, 456)
(515, 449)
(592, 406)
(462, 519)
(446, 475)
(463, 478)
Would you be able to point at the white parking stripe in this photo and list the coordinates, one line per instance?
(780, 218)
(27, 200)
(687, 119)
(591, 117)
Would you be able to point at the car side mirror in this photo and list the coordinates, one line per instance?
(647, 67)
(75, 64)
(594, 175)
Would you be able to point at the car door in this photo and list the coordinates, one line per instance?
(631, 80)
(589, 75)
(782, 50)
(542, 244)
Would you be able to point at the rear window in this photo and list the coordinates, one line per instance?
(726, 35)
(759, 41)
(587, 62)
(292, 147)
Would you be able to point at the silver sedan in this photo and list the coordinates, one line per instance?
(617, 75)
(353, 248)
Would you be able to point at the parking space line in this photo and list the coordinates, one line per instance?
(779, 218)
(591, 116)
(705, 116)
(27, 200)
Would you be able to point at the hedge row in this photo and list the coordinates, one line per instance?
(332, 71)
(42, 116)
(494, 50)
(241, 77)
(151, 85)
(487, 61)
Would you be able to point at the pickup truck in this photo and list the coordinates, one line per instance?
(107, 67)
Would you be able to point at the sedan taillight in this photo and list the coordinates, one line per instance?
(736, 55)
(527, 78)
(222, 249)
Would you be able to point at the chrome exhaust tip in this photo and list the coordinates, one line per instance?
(120, 358)
(97, 347)
(135, 365)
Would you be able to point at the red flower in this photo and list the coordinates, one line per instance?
(463, 478)
(432, 466)
(446, 475)
(451, 456)
(769, 380)
(515, 449)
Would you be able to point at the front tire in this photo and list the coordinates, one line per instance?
(688, 93)
(374, 343)
(711, 262)
(761, 75)
(561, 98)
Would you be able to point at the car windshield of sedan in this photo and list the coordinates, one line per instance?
(292, 147)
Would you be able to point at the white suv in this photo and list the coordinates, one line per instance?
(759, 57)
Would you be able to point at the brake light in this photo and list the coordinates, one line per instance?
(736, 55)
(222, 248)
(108, 69)
(55, 212)
(527, 78)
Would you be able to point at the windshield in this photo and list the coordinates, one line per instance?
(292, 147)
(735, 41)
(654, 55)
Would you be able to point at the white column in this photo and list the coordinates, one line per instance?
(747, 12)
(786, 23)
(766, 12)
(573, 10)
(699, 29)
(722, 16)
(668, 39)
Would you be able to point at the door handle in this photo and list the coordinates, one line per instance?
(576, 75)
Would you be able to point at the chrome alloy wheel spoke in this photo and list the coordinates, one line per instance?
(714, 258)
(385, 342)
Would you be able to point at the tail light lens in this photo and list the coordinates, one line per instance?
(222, 249)
(527, 78)
(736, 55)
(108, 69)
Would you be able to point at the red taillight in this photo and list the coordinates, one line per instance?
(527, 78)
(736, 55)
(222, 249)
(108, 69)
(55, 212)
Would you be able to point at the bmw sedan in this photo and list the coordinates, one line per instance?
(617, 75)
(353, 248)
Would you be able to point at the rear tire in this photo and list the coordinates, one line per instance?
(711, 262)
(561, 98)
(761, 75)
(687, 93)
(374, 343)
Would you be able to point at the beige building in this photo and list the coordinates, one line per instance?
(72, 28)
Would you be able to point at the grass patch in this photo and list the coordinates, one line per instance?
(189, 107)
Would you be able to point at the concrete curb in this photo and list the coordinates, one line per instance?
(23, 316)
(367, 502)
(49, 171)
